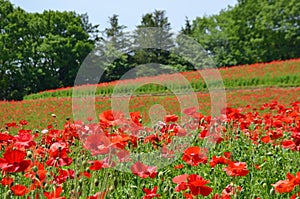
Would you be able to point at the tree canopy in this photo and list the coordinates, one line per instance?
(40, 51)
(252, 31)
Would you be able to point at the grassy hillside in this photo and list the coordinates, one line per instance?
(276, 73)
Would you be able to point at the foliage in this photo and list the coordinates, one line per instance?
(252, 31)
(40, 51)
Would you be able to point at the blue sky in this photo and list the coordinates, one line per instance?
(130, 11)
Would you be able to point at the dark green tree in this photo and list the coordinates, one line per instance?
(40, 51)
(153, 41)
(187, 29)
(114, 49)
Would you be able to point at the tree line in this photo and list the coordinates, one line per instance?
(42, 51)
(252, 31)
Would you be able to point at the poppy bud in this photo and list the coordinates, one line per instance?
(160, 174)
(84, 163)
(8, 193)
(35, 169)
(80, 182)
(272, 191)
(29, 154)
(269, 154)
(96, 182)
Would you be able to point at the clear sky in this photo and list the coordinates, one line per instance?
(130, 11)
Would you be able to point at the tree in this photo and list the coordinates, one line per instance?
(187, 29)
(40, 51)
(251, 31)
(153, 42)
(114, 47)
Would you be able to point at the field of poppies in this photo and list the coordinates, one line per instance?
(250, 150)
(276, 73)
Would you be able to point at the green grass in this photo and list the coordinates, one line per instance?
(274, 74)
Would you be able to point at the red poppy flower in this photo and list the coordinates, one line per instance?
(181, 182)
(119, 140)
(90, 119)
(180, 166)
(266, 139)
(283, 186)
(63, 176)
(124, 156)
(7, 181)
(98, 195)
(86, 174)
(151, 193)
(14, 161)
(180, 131)
(171, 118)
(190, 111)
(19, 190)
(12, 124)
(6, 138)
(181, 178)
(96, 165)
(143, 171)
(257, 166)
(227, 154)
(236, 169)
(288, 144)
(217, 160)
(54, 194)
(189, 196)
(294, 196)
(153, 138)
(277, 133)
(97, 144)
(136, 118)
(294, 179)
(23, 122)
(230, 190)
(111, 118)
(58, 155)
(24, 139)
(194, 155)
(296, 136)
(38, 176)
(197, 185)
